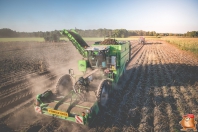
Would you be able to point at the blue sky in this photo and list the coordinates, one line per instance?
(176, 16)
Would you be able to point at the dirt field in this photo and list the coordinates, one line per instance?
(160, 86)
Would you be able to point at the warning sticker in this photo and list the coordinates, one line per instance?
(79, 119)
(38, 109)
(56, 112)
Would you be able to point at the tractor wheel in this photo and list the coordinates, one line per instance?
(64, 85)
(103, 92)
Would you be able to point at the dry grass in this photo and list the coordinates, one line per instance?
(187, 44)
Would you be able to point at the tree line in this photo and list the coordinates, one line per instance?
(48, 35)
(118, 33)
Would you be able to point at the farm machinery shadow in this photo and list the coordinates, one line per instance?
(166, 75)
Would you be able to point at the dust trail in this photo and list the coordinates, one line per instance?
(59, 62)
(49, 64)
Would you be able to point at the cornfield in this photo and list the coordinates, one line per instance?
(188, 44)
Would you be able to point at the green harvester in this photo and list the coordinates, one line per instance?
(79, 98)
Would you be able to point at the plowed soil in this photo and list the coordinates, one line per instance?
(159, 87)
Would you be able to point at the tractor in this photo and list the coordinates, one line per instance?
(141, 40)
(80, 97)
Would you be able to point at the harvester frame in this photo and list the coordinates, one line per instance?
(74, 100)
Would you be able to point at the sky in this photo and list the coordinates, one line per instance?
(162, 16)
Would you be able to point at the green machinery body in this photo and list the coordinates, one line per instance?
(115, 59)
(108, 60)
(69, 107)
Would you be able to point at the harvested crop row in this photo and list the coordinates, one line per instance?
(109, 42)
(31, 60)
(171, 98)
(10, 89)
(160, 120)
(183, 106)
(146, 122)
(169, 105)
(128, 94)
(135, 103)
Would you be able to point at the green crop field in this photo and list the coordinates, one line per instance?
(188, 44)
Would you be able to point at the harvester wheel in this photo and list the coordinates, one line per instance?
(103, 92)
(64, 85)
(81, 85)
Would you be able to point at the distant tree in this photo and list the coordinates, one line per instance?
(150, 33)
(56, 38)
(102, 32)
(157, 34)
(53, 36)
(154, 33)
(8, 33)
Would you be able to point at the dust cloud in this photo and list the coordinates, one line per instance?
(57, 63)
(44, 64)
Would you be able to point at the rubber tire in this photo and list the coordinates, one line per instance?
(64, 85)
(103, 92)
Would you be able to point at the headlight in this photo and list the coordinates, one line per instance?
(88, 111)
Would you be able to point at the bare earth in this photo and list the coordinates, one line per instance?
(159, 87)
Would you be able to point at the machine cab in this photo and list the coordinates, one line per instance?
(97, 56)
